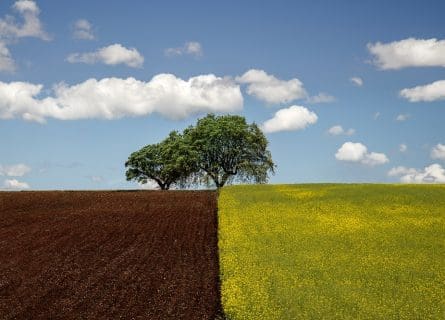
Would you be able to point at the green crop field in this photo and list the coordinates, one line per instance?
(332, 251)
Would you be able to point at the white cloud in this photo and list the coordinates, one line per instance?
(338, 130)
(290, 119)
(150, 185)
(357, 81)
(10, 31)
(350, 151)
(112, 55)
(402, 117)
(321, 98)
(430, 92)
(438, 152)
(192, 48)
(374, 159)
(409, 53)
(15, 184)
(376, 115)
(270, 89)
(16, 170)
(112, 98)
(83, 30)
(7, 63)
(31, 27)
(431, 174)
(400, 170)
(403, 147)
(358, 152)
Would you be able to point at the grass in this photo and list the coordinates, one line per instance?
(331, 251)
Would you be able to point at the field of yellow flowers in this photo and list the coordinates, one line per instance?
(326, 251)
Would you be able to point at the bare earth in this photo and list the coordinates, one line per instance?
(108, 255)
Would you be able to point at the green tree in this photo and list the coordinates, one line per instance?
(167, 163)
(226, 148)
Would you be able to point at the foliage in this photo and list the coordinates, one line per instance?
(332, 251)
(169, 162)
(227, 148)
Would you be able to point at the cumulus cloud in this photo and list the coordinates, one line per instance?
(83, 30)
(112, 55)
(350, 151)
(338, 130)
(150, 185)
(15, 184)
(438, 152)
(7, 63)
(290, 119)
(113, 98)
(31, 26)
(321, 98)
(409, 53)
(10, 30)
(270, 89)
(430, 92)
(358, 152)
(403, 147)
(431, 174)
(402, 117)
(16, 170)
(192, 48)
(357, 81)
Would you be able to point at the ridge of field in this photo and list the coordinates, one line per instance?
(108, 255)
(327, 251)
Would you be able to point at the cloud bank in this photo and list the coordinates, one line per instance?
(113, 98)
(434, 173)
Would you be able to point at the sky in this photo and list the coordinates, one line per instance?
(345, 91)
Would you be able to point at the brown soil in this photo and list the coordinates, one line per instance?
(108, 255)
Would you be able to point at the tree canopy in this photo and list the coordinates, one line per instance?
(217, 150)
(168, 162)
(227, 149)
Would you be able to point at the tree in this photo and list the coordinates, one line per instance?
(167, 163)
(226, 148)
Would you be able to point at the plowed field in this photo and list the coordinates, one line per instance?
(108, 255)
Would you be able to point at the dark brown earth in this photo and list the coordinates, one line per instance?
(108, 255)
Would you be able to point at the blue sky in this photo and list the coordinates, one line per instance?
(346, 91)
